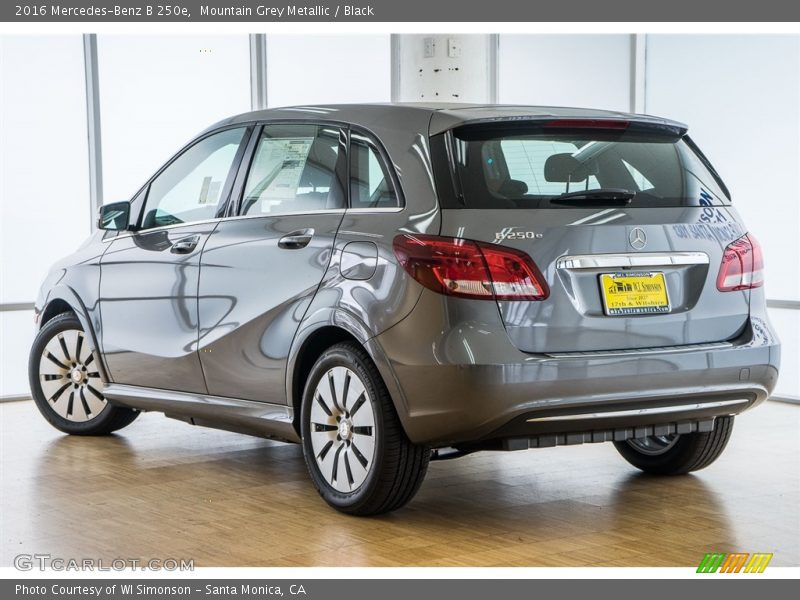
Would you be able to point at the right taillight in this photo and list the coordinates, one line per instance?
(468, 269)
(742, 265)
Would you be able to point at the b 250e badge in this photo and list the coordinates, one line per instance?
(514, 233)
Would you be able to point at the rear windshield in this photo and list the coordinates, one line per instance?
(537, 168)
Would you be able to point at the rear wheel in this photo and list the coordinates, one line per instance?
(356, 451)
(66, 384)
(677, 454)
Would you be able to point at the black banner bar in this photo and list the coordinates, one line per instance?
(261, 11)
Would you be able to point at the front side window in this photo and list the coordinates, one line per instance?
(294, 170)
(191, 188)
(370, 184)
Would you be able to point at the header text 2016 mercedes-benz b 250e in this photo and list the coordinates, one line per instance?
(384, 283)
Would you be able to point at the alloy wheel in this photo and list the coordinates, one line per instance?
(343, 431)
(70, 379)
(654, 445)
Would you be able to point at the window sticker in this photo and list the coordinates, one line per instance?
(209, 191)
(279, 165)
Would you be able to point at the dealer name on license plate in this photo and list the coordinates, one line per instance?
(634, 293)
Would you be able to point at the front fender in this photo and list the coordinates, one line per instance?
(88, 317)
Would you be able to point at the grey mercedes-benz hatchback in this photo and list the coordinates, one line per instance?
(386, 284)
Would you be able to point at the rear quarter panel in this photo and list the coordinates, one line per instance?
(365, 307)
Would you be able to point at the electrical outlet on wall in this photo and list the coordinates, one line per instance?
(453, 48)
(429, 47)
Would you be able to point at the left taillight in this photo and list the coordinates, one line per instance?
(742, 265)
(469, 269)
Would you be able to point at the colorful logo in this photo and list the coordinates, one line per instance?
(740, 562)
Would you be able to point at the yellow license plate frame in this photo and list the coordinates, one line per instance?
(634, 293)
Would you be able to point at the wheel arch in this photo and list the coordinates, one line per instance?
(320, 332)
(63, 300)
(55, 307)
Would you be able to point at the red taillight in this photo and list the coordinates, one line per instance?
(587, 124)
(742, 265)
(468, 269)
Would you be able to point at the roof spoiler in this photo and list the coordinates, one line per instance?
(483, 128)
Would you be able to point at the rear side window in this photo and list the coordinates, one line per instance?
(294, 171)
(370, 183)
(536, 168)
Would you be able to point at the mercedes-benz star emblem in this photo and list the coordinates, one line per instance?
(637, 238)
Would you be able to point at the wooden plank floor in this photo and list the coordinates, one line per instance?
(165, 489)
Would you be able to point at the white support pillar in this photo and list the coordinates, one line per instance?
(444, 67)
(258, 71)
(493, 66)
(93, 124)
(638, 72)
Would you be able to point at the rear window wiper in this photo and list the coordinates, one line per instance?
(606, 196)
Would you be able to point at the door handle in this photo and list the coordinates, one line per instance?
(186, 245)
(296, 239)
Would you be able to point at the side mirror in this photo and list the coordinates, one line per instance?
(115, 216)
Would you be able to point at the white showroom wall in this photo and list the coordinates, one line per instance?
(740, 96)
(44, 179)
(565, 70)
(157, 92)
(328, 69)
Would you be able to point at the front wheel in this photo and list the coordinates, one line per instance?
(356, 451)
(65, 381)
(677, 454)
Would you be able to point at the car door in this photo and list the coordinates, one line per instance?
(262, 266)
(149, 278)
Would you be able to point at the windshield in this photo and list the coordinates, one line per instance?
(508, 168)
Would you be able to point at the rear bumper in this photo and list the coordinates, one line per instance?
(466, 383)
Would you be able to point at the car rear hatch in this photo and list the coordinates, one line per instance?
(627, 222)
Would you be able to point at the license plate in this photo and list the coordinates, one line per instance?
(634, 293)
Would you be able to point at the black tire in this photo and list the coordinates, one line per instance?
(108, 419)
(397, 467)
(690, 452)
